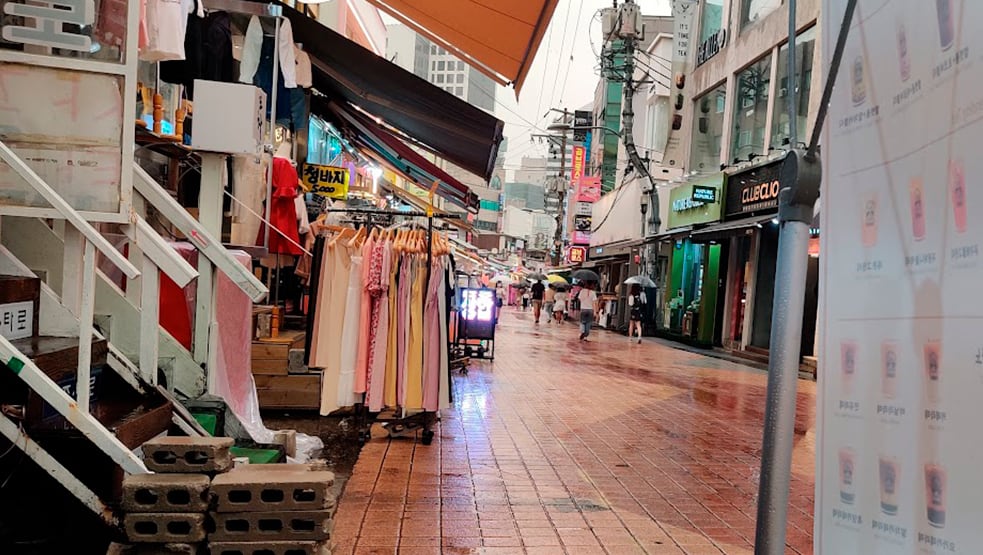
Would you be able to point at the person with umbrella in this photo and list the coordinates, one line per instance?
(637, 302)
(587, 297)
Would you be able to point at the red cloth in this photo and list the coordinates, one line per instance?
(283, 213)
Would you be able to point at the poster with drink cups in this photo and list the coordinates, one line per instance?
(900, 418)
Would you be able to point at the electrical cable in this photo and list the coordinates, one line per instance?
(617, 196)
(576, 27)
(563, 41)
(546, 65)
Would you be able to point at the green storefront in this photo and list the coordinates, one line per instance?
(694, 267)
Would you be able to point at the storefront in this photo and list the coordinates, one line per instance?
(615, 263)
(749, 230)
(690, 303)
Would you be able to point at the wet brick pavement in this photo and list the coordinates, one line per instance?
(562, 447)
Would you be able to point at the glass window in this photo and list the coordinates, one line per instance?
(751, 109)
(805, 46)
(440, 65)
(712, 18)
(433, 48)
(459, 91)
(460, 78)
(753, 10)
(657, 126)
(708, 127)
(460, 66)
(440, 77)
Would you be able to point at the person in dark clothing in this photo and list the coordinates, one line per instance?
(538, 292)
(636, 304)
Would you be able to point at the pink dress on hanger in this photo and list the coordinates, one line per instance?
(432, 338)
(365, 320)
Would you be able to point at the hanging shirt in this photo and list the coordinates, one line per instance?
(208, 52)
(252, 53)
(305, 78)
(167, 23)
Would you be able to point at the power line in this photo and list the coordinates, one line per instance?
(576, 27)
(546, 65)
(563, 41)
(510, 110)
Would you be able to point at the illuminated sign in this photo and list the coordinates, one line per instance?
(702, 193)
(576, 255)
(577, 169)
(478, 305)
(327, 181)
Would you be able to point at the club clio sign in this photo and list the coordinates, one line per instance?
(754, 191)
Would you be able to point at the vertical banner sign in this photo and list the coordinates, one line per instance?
(582, 120)
(577, 167)
(588, 192)
(901, 376)
(683, 15)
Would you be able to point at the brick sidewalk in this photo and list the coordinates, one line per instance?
(567, 447)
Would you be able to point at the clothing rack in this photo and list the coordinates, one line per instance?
(399, 424)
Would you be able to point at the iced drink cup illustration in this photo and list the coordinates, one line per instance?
(903, 60)
(848, 365)
(957, 189)
(935, 478)
(917, 209)
(847, 464)
(889, 471)
(869, 220)
(859, 87)
(889, 369)
(946, 33)
(933, 369)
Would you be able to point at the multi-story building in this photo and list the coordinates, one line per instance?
(524, 195)
(733, 129)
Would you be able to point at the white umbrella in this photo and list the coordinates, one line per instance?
(644, 281)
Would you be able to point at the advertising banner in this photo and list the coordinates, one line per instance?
(577, 167)
(582, 120)
(327, 181)
(684, 16)
(901, 361)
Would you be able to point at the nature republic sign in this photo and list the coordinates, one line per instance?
(689, 204)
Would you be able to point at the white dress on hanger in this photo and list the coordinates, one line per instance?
(349, 335)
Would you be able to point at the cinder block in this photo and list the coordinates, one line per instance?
(154, 549)
(178, 454)
(165, 527)
(288, 439)
(272, 526)
(252, 488)
(269, 548)
(165, 493)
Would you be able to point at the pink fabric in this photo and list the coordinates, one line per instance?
(431, 338)
(402, 328)
(378, 287)
(365, 322)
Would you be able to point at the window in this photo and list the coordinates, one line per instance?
(440, 78)
(460, 78)
(433, 66)
(708, 126)
(440, 65)
(433, 48)
(751, 109)
(460, 66)
(805, 46)
(657, 124)
(712, 18)
(459, 91)
(753, 10)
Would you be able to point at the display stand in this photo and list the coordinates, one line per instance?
(477, 319)
(397, 423)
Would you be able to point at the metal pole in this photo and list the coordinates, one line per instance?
(561, 194)
(783, 363)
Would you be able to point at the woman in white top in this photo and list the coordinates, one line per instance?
(559, 305)
(588, 301)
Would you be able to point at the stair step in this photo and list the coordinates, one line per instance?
(20, 302)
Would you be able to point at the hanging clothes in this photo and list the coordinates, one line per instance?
(379, 333)
(283, 211)
(414, 354)
(390, 397)
(253, 53)
(332, 325)
(350, 333)
(208, 53)
(166, 23)
(365, 320)
(303, 73)
(432, 337)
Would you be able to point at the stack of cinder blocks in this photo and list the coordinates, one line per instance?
(272, 510)
(166, 512)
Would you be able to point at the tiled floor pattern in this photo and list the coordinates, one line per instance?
(562, 447)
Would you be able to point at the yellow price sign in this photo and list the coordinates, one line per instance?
(326, 181)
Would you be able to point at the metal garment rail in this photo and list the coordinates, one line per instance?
(424, 419)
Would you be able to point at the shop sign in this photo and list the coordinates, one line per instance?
(754, 191)
(577, 169)
(43, 24)
(327, 181)
(687, 209)
(16, 320)
(683, 16)
(583, 209)
(582, 120)
(589, 189)
(576, 255)
(711, 47)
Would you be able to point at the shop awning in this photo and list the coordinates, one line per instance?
(728, 229)
(499, 38)
(421, 205)
(371, 135)
(450, 127)
(671, 234)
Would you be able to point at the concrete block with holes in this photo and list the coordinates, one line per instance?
(154, 549)
(165, 493)
(269, 548)
(288, 526)
(165, 527)
(252, 489)
(178, 454)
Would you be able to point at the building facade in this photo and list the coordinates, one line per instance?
(735, 120)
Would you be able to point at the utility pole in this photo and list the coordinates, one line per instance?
(560, 186)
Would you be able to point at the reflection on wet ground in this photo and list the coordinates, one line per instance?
(560, 446)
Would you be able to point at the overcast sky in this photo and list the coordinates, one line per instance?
(565, 56)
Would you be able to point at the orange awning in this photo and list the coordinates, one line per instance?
(497, 37)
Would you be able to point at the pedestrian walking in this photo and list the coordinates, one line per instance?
(560, 306)
(636, 306)
(588, 304)
(525, 299)
(548, 301)
(538, 294)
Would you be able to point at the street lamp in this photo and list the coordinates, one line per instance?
(566, 128)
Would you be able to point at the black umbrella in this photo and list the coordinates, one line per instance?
(586, 275)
